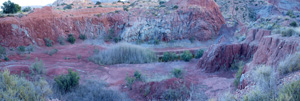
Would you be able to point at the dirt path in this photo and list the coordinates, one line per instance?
(67, 58)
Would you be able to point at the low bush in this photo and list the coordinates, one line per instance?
(27, 9)
(37, 67)
(290, 64)
(14, 88)
(67, 82)
(186, 56)
(138, 75)
(178, 94)
(2, 52)
(94, 91)
(199, 54)
(238, 76)
(71, 38)
(175, 7)
(82, 36)
(290, 92)
(124, 53)
(48, 42)
(79, 56)
(61, 40)
(129, 81)
(21, 48)
(294, 24)
(288, 33)
(6, 58)
(178, 73)
(169, 56)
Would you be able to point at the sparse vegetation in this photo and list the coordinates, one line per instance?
(10, 7)
(169, 56)
(48, 42)
(37, 67)
(79, 56)
(71, 38)
(138, 75)
(82, 36)
(290, 64)
(124, 53)
(21, 48)
(199, 54)
(67, 82)
(129, 81)
(288, 33)
(178, 73)
(186, 56)
(14, 88)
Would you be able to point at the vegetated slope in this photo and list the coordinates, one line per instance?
(167, 21)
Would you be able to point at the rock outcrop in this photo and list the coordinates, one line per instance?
(192, 18)
(221, 56)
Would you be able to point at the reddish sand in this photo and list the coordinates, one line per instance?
(114, 75)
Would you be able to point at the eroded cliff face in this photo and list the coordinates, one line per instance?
(192, 18)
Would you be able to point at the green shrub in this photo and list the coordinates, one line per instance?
(67, 82)
(186, 56)
(290, 92)
(14, 88)
(51, 52)
(2, 52)
(288, 33)
(98, 3)
(71, 38)
(294, 24)
(37, 67)
(82, 36)
(48, 42)
(129, 81)
(6, 58)
(124, 53)
(178, 73)
(137, 75)
(199, 54)
(68, 7)
(169, 56)
(290, 64)
(94, 91)
(21, 48)
(27, 9)
(61, 40)
(291, 14)
(238, 76)
(10, 7)
(175, 7)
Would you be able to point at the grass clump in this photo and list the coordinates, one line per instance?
(178, 73)
(238, 76)
(124, 53)
(266, 85)
(82, 37)
(48, 42)
(290, 92)
(186, 56)
(71, 38)
(37, 67)
(199, 54)
(290, 64)
(138, 75)
(169, 56)
(15, 88)
(66, 82)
